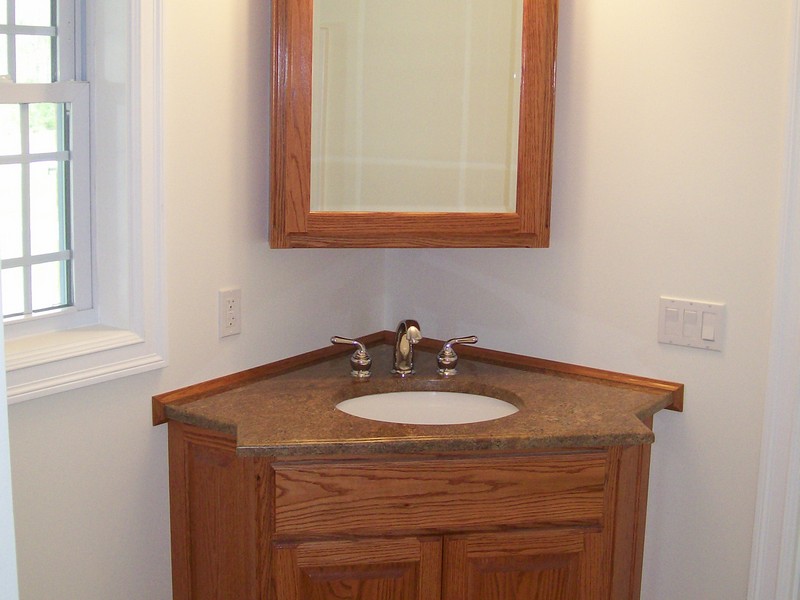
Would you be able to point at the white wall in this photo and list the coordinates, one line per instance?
(89, 470)
(9, 588)
(669, 148)
(668, 170)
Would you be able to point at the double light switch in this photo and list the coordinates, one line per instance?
(691, 323)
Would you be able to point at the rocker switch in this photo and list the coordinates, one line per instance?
(708, 330)
(672, 321)
(690, 323)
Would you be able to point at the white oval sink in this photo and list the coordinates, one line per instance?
(427, 408)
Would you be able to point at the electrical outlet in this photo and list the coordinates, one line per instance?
(230, 312)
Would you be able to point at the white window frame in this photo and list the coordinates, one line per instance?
(68, 88)
(775, 558)
(124, 333)
(77, 95)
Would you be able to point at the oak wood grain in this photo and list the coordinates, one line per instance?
(212, 508)
(294, 225)
(424, 496)
(542, 564)
(290, 118)
(374, 569)
(630, 519)
(226, 510)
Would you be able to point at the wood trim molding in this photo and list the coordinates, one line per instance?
(519, 361)
(294, 225)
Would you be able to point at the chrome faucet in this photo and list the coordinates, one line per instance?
(408, 334)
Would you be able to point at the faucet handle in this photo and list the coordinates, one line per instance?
(447, 359)
(360, 361)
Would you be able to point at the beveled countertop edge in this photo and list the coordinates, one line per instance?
(399, 446)
(227, 382)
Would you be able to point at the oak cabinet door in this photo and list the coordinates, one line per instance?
(369, 569)
(531, 565)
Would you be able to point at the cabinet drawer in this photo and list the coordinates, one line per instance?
(438, 495)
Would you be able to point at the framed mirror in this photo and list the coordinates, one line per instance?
(422, 123)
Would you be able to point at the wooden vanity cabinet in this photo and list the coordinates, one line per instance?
(561, 524)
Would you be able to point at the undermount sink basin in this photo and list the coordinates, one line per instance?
(427, 408)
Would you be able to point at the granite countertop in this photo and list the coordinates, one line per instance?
(294, 413)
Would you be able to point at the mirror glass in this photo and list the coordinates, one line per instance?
(415, 105)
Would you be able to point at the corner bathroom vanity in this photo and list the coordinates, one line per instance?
(276, 494)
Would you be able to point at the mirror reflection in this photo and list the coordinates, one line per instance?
(415, 105)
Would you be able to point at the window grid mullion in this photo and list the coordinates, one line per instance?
(63, 255)
(11, 40)
(65, 47)
(44, 30)
(54, 44)
(64, 204)
(17, 159)
(24, 126)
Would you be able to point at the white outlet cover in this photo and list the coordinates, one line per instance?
(230, 312)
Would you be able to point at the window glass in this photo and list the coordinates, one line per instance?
(9, 129)
(33, 12)
(48, 285)
(34, 59)
(43, 118)
(47, 208)
(10, 212)
(13, 298)
(3, 55)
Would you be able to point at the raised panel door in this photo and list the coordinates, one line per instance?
(374, 569)
(530, 565)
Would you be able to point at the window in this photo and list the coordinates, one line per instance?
(45, 238)
(79, 192)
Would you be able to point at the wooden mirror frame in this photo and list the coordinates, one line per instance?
(294, 225)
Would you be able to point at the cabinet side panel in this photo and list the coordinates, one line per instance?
(596, 573)
(179, 513)
(214, 530)
(264, 526)
(630, 520)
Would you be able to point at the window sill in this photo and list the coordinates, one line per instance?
(53, 362)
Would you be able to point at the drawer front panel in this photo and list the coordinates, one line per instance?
(439, 495)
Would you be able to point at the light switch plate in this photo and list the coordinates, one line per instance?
(692, 323)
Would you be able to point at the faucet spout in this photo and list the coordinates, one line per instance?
(408, 334)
